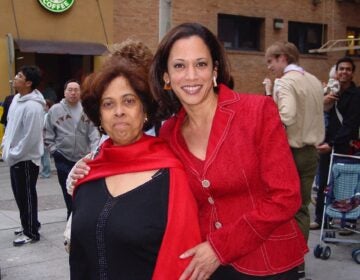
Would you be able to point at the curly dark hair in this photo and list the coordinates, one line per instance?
(130, 60)
(168, 102)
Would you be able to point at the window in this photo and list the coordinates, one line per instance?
(239, 32)
(353, 33)
(306, 36)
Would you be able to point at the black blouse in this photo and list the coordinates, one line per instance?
(118, 237)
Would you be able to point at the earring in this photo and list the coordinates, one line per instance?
(167, 86)
(146, 119)
(214, 81)
(102, 131)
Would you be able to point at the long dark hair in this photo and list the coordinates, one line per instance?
(168, 102)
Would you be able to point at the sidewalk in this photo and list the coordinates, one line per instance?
(45, 259)
(48, 260)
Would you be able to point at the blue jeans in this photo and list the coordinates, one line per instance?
(63, 167)
(45, 165)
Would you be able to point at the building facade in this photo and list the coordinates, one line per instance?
(64, 44)
(68, 44)
(248, 27)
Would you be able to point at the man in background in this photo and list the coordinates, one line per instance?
(23, 147)
(299, 97)
(342, 133)
(69, 135)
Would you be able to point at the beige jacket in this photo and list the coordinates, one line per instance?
(299, 97)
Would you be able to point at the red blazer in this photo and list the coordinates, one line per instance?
(247, 189)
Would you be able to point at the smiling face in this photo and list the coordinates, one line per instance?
(345, 72)
(190, 71)
(122, 113)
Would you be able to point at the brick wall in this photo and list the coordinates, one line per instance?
(140, 18)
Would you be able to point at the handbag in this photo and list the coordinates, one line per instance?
(67, 234)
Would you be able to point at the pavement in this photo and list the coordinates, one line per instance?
(48, 260)
(45, 259)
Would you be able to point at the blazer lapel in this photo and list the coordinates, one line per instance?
(221, 124)
(219, 130)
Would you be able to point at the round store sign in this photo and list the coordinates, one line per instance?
(57, 6)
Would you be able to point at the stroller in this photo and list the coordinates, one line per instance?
(342, 202)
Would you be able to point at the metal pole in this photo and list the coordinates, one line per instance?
(11, 56)
(164, 17)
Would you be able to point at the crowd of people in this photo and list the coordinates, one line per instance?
(223, 190)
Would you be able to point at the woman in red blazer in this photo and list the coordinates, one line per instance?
(237, 158)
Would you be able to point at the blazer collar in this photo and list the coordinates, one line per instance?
(219, 130)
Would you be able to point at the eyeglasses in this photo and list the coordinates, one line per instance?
(20, 76)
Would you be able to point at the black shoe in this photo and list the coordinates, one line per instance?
(301, 274)
(18, 231)
(347, 230)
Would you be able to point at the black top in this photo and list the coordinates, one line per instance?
(337, 134)
(118, 237)
(6, 104)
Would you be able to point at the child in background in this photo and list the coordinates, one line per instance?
(45, 171)
(332, 86)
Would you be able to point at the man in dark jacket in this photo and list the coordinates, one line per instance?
(342, 130)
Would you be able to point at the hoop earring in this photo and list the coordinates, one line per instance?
(102, 131)
(167, 86)
(214, 82)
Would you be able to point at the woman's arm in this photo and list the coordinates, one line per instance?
(280, 199)
(79, 171)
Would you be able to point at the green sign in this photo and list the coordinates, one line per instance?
(57, 6)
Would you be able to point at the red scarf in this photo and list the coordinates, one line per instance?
(182, 229)
(148, 153)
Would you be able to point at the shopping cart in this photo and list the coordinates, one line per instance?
(342, 203)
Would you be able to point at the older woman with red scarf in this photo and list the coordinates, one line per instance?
(237, 159)
(134, 214)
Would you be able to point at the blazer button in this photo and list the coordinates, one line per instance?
(211, 200)
(218, 225)
(205, 183)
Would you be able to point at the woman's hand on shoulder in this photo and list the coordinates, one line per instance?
(203, 264)
(79, 171)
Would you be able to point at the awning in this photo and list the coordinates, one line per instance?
(60, 47)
